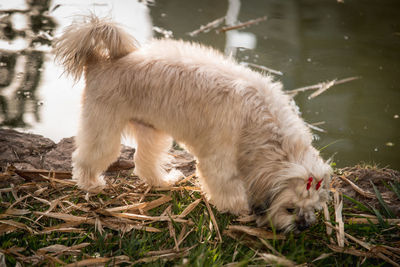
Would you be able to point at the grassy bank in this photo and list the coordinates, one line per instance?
(48, 221)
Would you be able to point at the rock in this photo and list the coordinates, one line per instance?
(126, 153)
(32, 151)
(19, 148)
(59, 158)
(182, 161)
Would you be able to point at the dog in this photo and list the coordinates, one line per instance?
(253, 151)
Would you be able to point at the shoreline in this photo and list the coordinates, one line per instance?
(28, 157)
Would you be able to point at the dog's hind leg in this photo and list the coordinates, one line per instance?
(221, 183)
(152, 155)
(98, 144)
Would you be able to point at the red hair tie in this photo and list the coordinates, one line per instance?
(318, 185)
(310, 179)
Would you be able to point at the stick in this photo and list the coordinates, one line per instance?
(263, 68)
(359, 190)
(315, 128)
(371, 220)
(37, 175)
(322, 87)
(214, 221)
(167, 34)
(172, 232)
(184, 180)
(189, 208)
(207, 27)
(242, 25)
(338, 204)
(253, 231)
(327, 219)
(144, 205)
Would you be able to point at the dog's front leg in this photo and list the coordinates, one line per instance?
(220, 181)
(98, 144)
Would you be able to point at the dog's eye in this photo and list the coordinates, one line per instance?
(290, 210)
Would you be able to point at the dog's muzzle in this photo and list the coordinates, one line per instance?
(304, 221)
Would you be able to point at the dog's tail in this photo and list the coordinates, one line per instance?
(90, 42)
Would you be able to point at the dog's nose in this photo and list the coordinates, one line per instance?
(302, 224)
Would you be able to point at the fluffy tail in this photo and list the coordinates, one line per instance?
(90, 42)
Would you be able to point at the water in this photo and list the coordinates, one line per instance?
(308, 41)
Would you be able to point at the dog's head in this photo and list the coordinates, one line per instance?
(290, 205)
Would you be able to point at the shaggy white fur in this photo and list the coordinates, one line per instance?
(254, 152)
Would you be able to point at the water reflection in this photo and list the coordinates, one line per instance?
(309, 41)
(237, 39)
(20, 70)
(35, 96)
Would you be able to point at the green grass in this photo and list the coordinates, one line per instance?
(200, 248)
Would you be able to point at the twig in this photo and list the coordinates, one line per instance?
(92, 262)
(242, 25)
(338, 204)
(351, 251)
(169, 255)
(189, 208)
(177, 188)
(276, 260)
(171, 229)
(17, 225)
(268, 245)
(214, 221)
(166, 33)
(263, 68)
(165, 251)
(327, 218)
(318, 123)
(322, 256)
(53, 204)
(211, 25)
(142, 206)
(315, 128)
(37, 175)
(145, 217)
(357, 189)
(321, 87)
(182, 237)
(372, 220)
(184, 180)
(258, 232)
(324, 86)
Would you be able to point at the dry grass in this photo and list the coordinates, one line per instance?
(48, 221)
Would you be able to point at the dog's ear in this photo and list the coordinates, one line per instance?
(261, 208)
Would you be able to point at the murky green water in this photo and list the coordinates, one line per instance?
(308, 41)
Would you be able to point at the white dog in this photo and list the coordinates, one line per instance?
(254, 152)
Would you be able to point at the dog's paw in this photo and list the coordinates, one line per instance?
(233, 204)
(92, 186)
(173, 176)
(164, 179)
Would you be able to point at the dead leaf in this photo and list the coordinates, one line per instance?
(17, 225)
(253, 231)
(189, 208)
(17, 212)
(142, 206)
